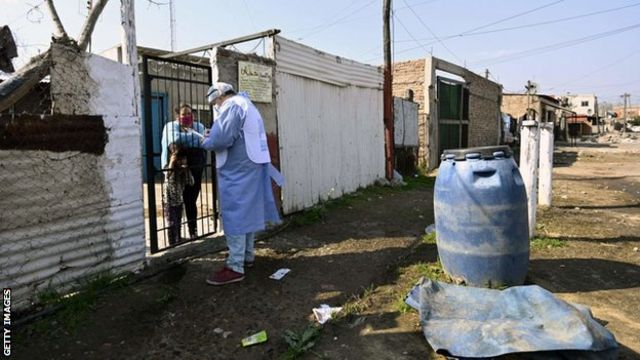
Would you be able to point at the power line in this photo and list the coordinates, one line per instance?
(556, 46)
(409, 33)
(26, 13)
(325, 27)
(548, 22)
(485, 25)
(432, 33)
(511, 17)
(249, 15)
(597, 70)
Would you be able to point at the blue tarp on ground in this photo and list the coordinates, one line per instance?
(469, 322)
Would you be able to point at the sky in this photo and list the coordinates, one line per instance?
(577, 46)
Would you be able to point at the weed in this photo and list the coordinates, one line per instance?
(167, 297)
(547, 243)
(75, 305)
(357, 303)
(310, 216)
(402, 306)
(300, 343)
(419, 182)
(318, 212)
(429, 238)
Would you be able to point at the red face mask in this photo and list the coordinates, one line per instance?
(186, 120)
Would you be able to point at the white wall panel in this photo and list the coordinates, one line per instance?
(331, 139)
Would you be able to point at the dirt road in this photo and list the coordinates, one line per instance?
(363, 252)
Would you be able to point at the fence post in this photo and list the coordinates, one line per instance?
(546, 164)
(529, 153)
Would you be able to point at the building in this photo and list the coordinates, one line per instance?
(583, 104)
(457, 108)
(544, 108)
(632, 111)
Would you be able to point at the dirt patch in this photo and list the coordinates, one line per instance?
(350, 247)
(365, 252)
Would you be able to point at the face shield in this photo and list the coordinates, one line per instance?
(216, 90)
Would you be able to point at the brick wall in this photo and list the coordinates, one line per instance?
(484, 104)
(514, 105)
(484, 110)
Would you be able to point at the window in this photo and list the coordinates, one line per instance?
(584, 103)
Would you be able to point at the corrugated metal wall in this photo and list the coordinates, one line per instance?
(66, 216)
(330, 124)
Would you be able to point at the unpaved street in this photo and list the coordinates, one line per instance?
(363, 252)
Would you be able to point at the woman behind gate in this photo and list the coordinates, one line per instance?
(186, 132)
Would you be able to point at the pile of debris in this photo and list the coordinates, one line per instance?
(616, 137)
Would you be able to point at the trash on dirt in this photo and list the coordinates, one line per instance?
(218, 331)
(254, 339)
(359, 321)
(430, 229)
(325, 313)
(397, 180)
(635, 249)
(278, 275)
(469, 322)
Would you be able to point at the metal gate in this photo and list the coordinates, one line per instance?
(165, 85)
(453, 114)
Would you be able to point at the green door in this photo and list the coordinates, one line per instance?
(453, 114)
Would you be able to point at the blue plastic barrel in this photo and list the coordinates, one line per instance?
(481, 217)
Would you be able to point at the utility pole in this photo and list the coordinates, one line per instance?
(486, 73)
(387, 90)
(531, 89)
(172, 24)
(625, 96)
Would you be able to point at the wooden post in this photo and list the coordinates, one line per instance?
(387, 91)
(529, 136)
(546, 164)
(130, 47)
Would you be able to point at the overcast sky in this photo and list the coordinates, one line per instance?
(578, 46)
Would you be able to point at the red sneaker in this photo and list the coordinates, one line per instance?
(225, 276)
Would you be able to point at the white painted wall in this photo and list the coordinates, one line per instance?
(577, 100)
(71, 215)
(330, 125)
(529, 156)
(405, 121)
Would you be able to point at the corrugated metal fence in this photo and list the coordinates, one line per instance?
(71, 200)
(330, 125)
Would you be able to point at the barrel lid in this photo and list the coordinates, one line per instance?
(481, 152)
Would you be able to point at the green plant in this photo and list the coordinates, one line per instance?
(402, 306)
(429, 238)
(357, 303)
(635, 121)
(75, 304)
(547, 243)
(310, 216)
(300, 343)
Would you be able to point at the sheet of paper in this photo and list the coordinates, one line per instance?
(279, 274)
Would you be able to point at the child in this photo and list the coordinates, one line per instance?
(178, 176)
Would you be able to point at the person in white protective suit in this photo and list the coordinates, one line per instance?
(244, 173)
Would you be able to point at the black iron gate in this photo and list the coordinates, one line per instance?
(165, 85)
